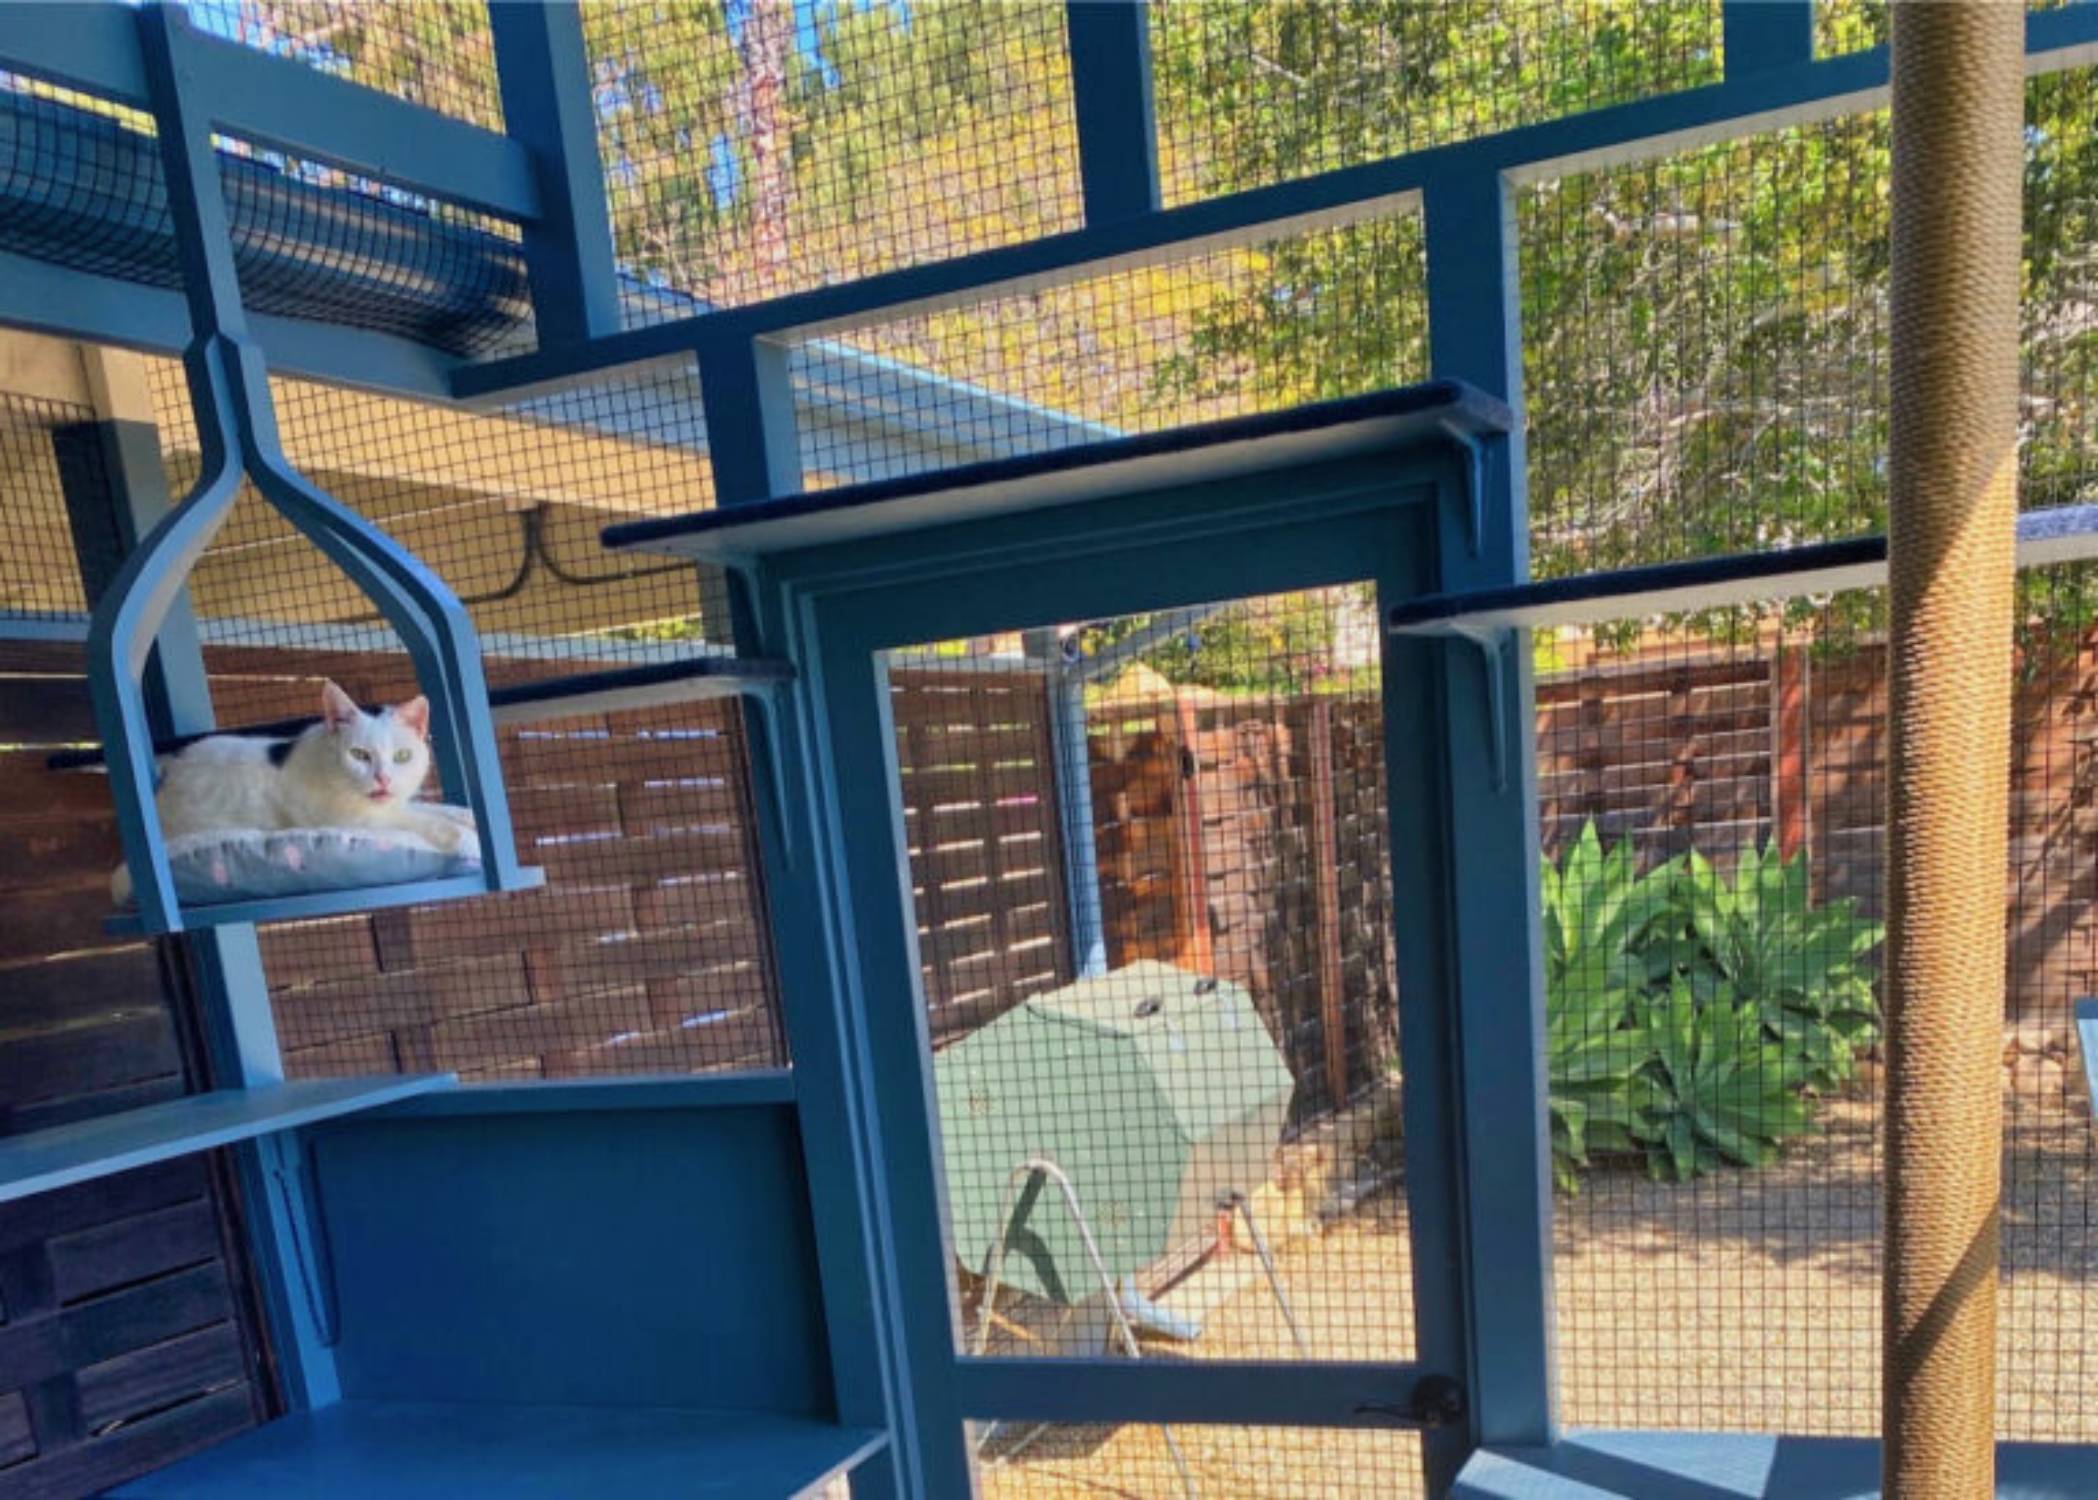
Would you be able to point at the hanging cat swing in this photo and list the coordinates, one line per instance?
(235, 828)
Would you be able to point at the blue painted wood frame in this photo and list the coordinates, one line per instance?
(1497, 968)
(1363, 518)
(550, 108)
(236, 425)
(1110, 47)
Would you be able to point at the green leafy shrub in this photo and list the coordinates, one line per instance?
(1690, 1017)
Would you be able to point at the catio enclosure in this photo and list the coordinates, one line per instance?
(1089, 877)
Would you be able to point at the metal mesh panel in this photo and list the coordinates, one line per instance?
(1706, 346)
(436, 53)
(81, 185)
(1066, 1461)
(1153, 898)
(1336, 312)
(39, 573)
(646, 951)
(1714, 822)
(756, 149)
(1249, 95)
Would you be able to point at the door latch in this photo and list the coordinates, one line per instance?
(1434, 1401)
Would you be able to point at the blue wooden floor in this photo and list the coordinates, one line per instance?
(1738, 1466)
(430, 1450)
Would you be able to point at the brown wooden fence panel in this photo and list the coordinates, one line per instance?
(978, 775)
(126, 1337)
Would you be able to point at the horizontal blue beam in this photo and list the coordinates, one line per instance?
(280, 102)
(1741, 1466)
(1737, 106)
(742, 1090)
(320, 903)
(45, 297)
(1209, 1391)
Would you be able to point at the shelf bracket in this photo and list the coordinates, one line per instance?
(1474, 449)
(1495, 648)
(287, 1163)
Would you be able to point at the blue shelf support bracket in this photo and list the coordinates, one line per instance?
(287, 1163)
(1474, 450)
(548, 104)
(237, 434)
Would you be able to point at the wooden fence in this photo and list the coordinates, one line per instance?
(126, 1335)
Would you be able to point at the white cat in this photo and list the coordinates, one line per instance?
(351, 770)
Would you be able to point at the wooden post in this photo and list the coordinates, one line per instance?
(1191, 859)
(1325, 858)
(1789, 687)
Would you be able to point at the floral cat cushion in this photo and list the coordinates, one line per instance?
(254, 863)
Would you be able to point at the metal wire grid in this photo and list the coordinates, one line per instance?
(81, 185)
(766, 146)
(39, 569)
(1249, 95)
(436, 53)
(646, 951)
(1064, 1461)
(1167, 929)
(1705, 339)
(1736, 1287)
(1335, 312)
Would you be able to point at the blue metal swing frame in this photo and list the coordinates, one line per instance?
(840, 1115)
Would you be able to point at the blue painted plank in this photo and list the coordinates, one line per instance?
(578, 1095)
(420, 1450)
(2087, 1037)
(321, 903)
(1122, 466)
(65, 1154)
(1110, 48)
(1262, 1393)
(1742, 1466)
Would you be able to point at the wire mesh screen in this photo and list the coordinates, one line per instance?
(1153, 898)
(1714, 806)
(767, 146)
(1705, 339)
(1249, 95)
(1335, 312)
(436, 53)
(645, 951)
(1065, 1461)
(81, 186)
(39, 570)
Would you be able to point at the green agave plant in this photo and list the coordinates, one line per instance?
(1691, 1017)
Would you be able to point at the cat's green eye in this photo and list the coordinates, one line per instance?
(402, 756)
(360, 755)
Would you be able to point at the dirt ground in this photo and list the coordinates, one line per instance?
(1746, 1300)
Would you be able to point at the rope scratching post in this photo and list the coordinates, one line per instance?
(1958, 88)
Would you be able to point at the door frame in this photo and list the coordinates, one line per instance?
(1384, 519)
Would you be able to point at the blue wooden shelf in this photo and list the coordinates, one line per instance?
(66, 1154)
(435, 1450)
(323, 903)
(1739, 1466)
(1447, 410)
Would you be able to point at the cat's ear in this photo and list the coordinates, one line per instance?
(415, 713)
(338, 709)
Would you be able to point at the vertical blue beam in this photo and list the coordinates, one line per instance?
(1111, 97)
(1759, 35)
(752, 441)
(1074, 803)
(1496, 968)
(121, 459)
(813, 954)
(550, 108)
